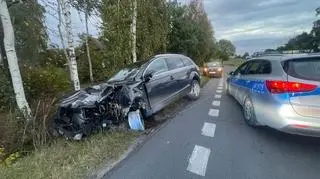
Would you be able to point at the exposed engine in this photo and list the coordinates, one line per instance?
(96, 108)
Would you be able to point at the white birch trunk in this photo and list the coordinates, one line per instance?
(134, 31)
(70, 49)
(87, 44)
(12, 58)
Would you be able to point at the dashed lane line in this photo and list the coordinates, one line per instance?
(216, 103)
(220, 88)
(208, 129)
(219, 91)
(199, 160)
(213, 112)
(217, 96)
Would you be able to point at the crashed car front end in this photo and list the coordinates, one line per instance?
(96, 108)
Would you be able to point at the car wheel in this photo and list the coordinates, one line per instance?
(136, 120)
(248, 113)
(195, 90)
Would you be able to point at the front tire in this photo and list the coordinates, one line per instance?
(249, 113)
(195, 90)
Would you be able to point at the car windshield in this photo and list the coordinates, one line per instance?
(127, 73)
(214, 64)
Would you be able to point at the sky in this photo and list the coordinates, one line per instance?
(255, 25)
(251, 25)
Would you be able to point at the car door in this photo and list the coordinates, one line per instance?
(157, 86)
(234, 79)
(178, 74)
(252, 79)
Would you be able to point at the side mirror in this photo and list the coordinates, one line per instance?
(147, 76)
(231, 73)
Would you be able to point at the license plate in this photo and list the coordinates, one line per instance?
(212, 72)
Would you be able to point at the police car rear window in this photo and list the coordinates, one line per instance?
(305, 68)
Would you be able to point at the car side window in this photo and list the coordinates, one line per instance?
(253, 68)
(174, 63)
(241, 70)
(265, 67)
(157, 66)
(259, 67)
(187, 62)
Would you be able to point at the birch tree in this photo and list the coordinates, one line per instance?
(9, 45)
(134, 31)
(72, 63)
(86, 14)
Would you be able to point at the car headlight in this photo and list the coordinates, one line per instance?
(220, 69)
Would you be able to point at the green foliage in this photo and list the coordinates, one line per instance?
(190, 32)
(152, 28)
(225, 49)
(6, 91)
(101, 67)
(44, 82)
(29, 29)
(305, 41)
(52, 57)
(116, 17)
(245, 55)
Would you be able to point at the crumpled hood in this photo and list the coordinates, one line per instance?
(88, 96)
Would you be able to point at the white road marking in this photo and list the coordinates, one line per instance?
(219, 91)
(220, 88)
(199, 160)
(213, 112)
(217, 96)
(208, 129)
(216, 103)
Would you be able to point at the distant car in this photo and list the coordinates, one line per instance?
(282, 92)
(213, 69)
(135, 92)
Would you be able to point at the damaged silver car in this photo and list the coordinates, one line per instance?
(130, 96)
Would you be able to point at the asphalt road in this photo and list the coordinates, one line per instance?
(211, 140)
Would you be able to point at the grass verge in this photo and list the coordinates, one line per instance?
(204, 80)
(71, 159)
(234, 62)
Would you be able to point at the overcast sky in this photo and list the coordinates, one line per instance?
(252, 25)
(255, 25)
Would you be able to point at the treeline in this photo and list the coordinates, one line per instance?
(306, 41)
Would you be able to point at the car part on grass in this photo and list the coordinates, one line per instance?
(135, 120)
(98, 107)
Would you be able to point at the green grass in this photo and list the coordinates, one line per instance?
(204, 80)
(71, 159)
(234, 62)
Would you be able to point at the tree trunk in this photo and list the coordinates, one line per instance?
(12, 58)
(134, 31)
(87, 44)
(70, 49)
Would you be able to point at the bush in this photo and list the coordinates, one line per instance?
(45, 82)
(6, 91)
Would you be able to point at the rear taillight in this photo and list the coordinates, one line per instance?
(288, 87)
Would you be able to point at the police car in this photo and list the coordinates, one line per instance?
(279, 91)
